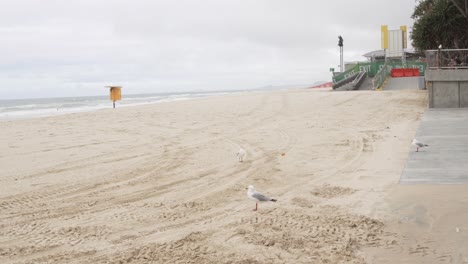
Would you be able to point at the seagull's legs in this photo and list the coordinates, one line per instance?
(256, 207)
(417, 149)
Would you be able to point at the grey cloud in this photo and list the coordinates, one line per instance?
(70, 48)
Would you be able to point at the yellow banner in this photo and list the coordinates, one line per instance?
(384, 32)
(405, 39)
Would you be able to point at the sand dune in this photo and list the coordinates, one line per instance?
(161, 183)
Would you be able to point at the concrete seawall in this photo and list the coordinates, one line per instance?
(403, 83)
(447, 88)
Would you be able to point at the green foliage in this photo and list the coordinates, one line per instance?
(438, 22)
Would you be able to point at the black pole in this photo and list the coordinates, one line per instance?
(340, 44)
(113, 102)
(341, 59)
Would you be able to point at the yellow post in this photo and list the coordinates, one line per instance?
(405, 39)
(115, 94)
(384, 32)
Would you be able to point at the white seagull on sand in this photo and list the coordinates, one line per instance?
(241, 154)
(418, 144)
(257, 197)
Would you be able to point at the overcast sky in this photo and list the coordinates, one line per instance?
(76, 47)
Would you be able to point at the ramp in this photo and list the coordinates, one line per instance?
(366, 85)
(353, 82)
(445, 160)
(343, 84)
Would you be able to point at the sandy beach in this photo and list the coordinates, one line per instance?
(162, 184)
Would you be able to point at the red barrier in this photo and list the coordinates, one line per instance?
(323, 85)
(405, 72)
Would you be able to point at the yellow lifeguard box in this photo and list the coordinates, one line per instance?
(115, 93)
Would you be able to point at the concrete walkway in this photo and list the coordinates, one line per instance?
(445, 161)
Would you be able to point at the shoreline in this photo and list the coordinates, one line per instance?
(60, 105)
(128, 101)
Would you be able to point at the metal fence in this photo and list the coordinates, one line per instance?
(381, 75)
(447, 59)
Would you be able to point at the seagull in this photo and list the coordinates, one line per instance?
(418, 144)
(241, 154)
(257, 197)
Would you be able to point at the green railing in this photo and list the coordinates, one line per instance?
(346, 74)
(372, 68)
(381, 75)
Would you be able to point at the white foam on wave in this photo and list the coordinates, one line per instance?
(77, 105)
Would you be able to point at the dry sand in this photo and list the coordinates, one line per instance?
(161, 183)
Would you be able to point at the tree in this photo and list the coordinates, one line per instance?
(438, 22)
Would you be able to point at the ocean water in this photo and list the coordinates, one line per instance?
(26, 108)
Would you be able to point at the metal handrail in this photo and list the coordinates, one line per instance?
(447, 59)
(359, 79)
(381, 75)
(345, 81)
